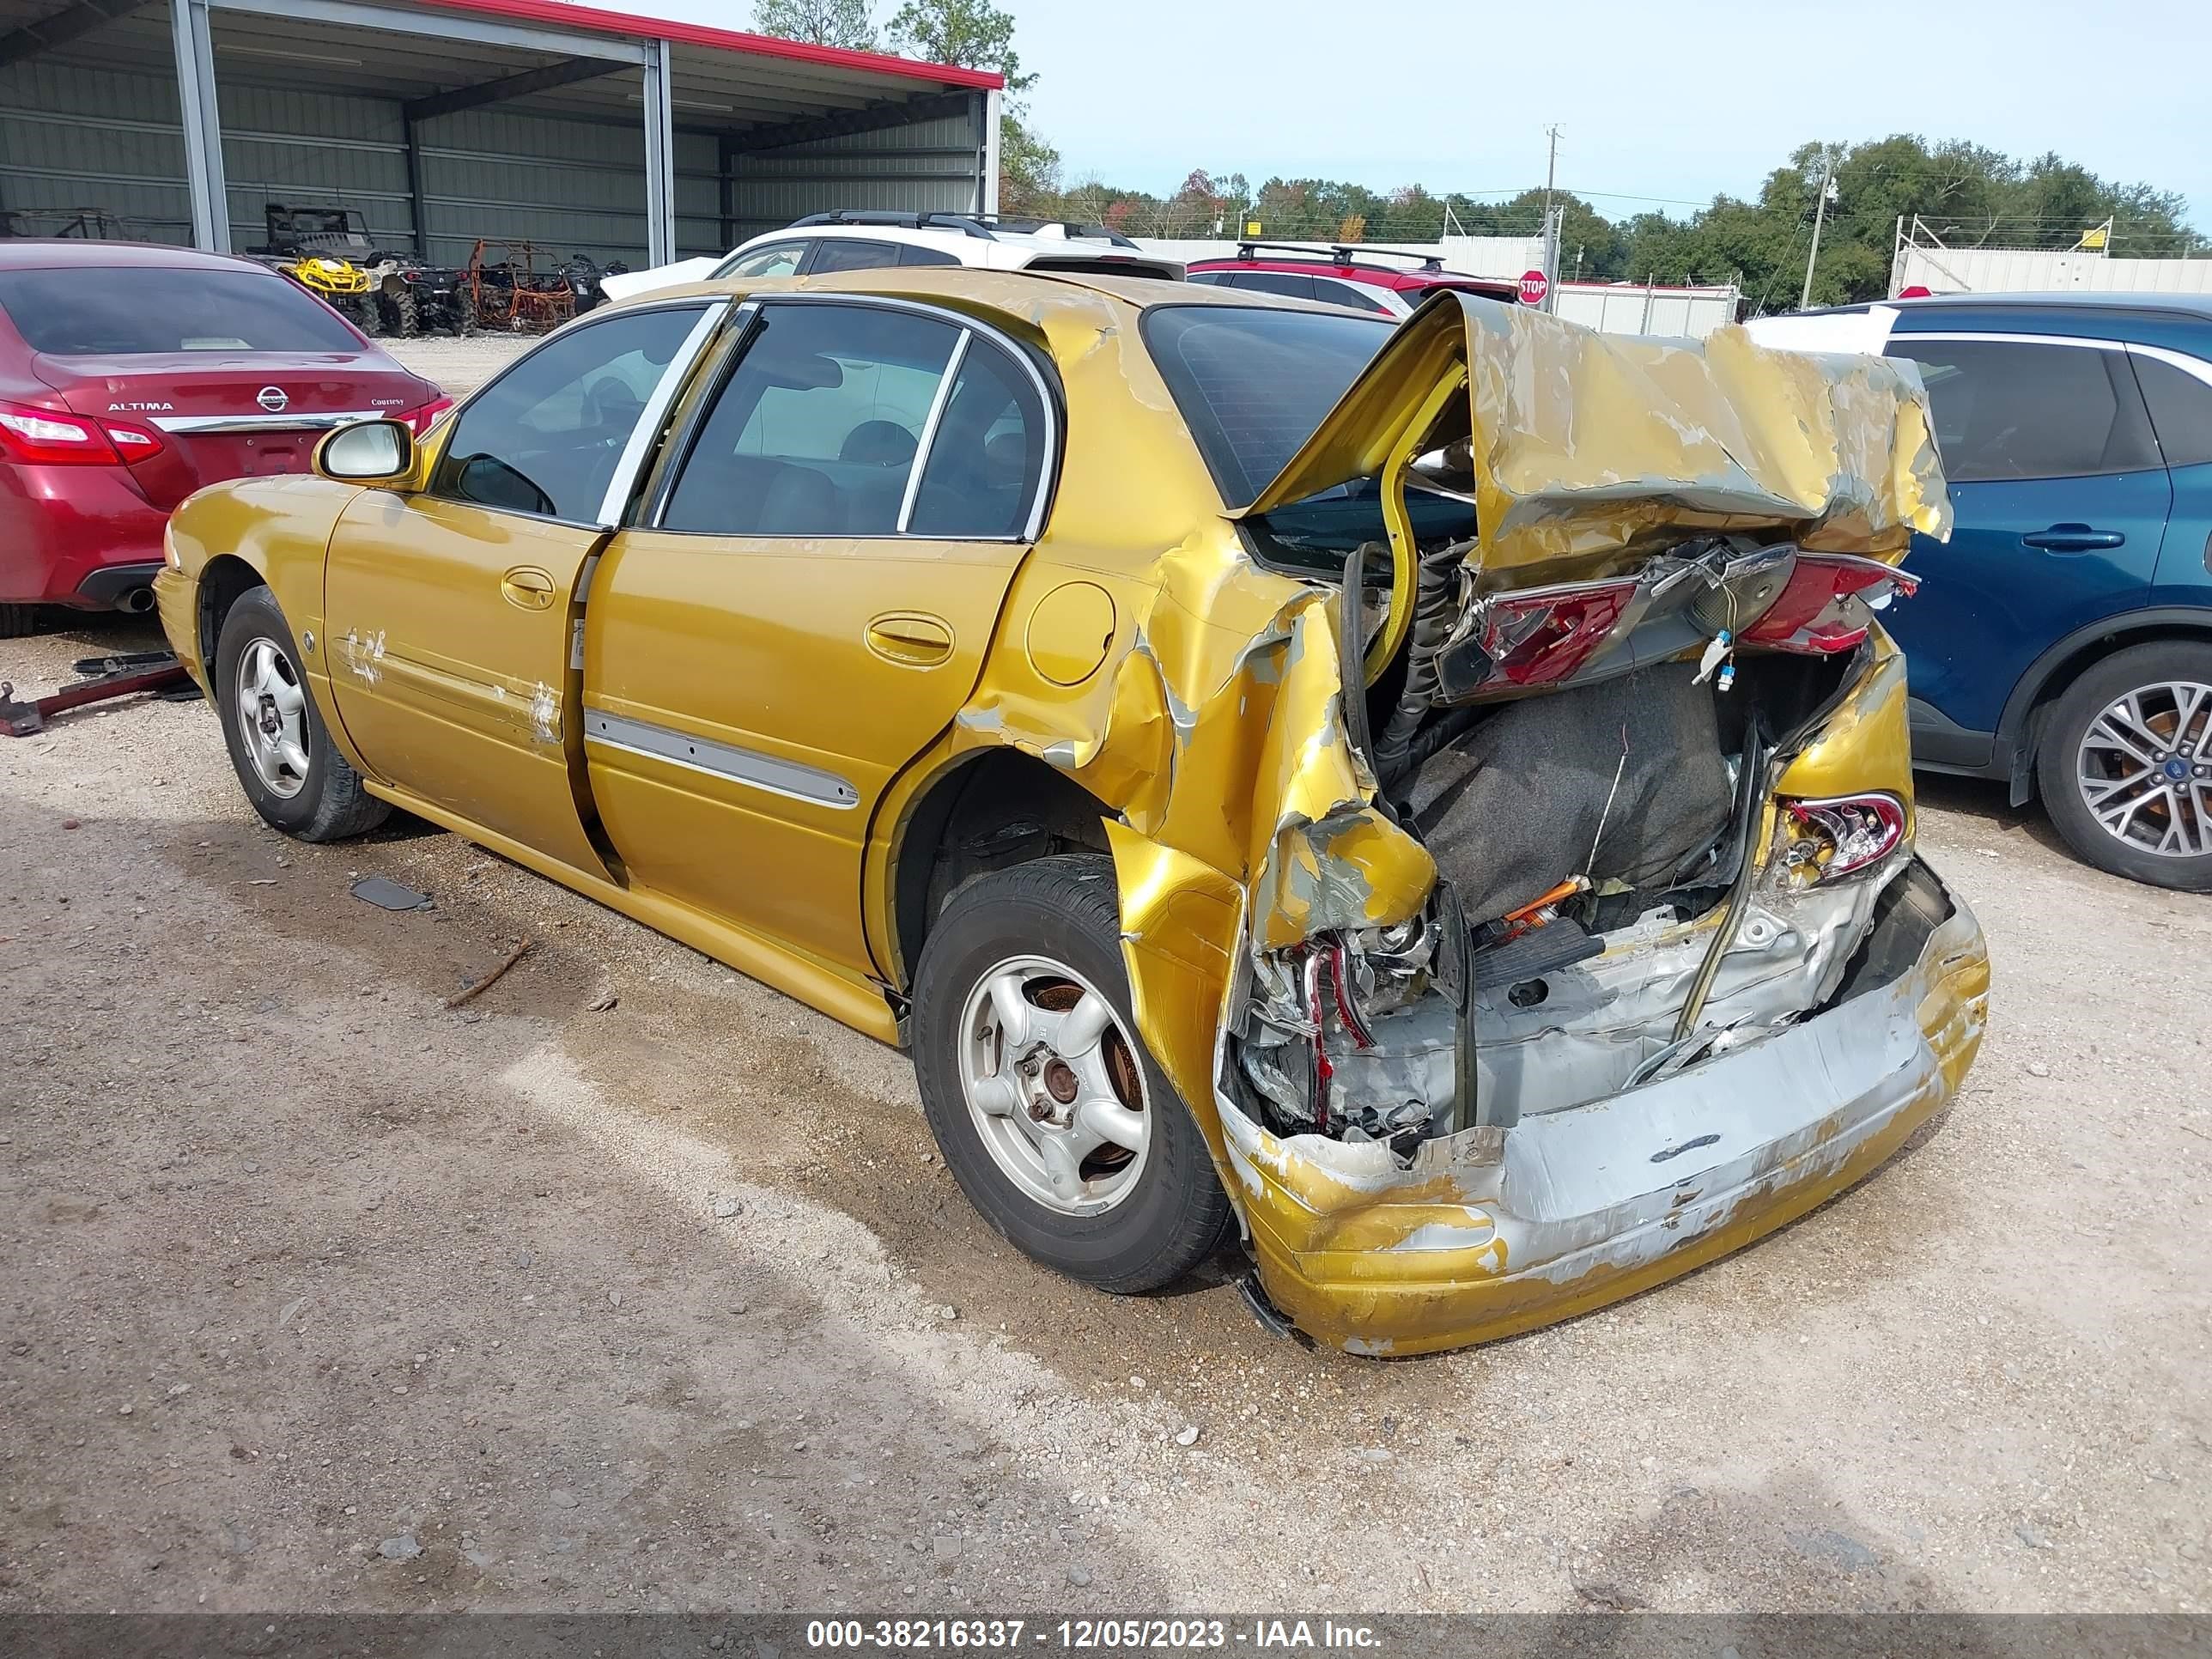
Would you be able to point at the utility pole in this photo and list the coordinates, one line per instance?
(1551, 235)
(1819, 212)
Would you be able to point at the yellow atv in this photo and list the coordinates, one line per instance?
(328, 252)
(340, 283)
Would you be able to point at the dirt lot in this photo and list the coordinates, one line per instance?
(320, 1296)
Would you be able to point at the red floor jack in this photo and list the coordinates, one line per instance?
(108, 677)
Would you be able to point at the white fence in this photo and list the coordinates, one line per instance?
(2025, 271)
(1921, 260)
(1682, 313)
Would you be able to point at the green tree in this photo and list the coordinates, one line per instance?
(824, 22)
(973, 34)
(1029, 170)
(977, 35)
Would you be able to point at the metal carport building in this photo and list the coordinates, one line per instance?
(578, 130)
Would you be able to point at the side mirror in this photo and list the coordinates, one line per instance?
(367, 452)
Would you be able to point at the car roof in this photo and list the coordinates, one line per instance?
(947, 237)
(48, 253)
(1022, 295)
(1321, 265)
(1373, 276)
(2195, 306)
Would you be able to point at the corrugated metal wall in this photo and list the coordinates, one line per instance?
(74, 138)
(928, 167)
(566, 185)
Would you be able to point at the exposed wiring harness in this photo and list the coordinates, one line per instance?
(1436, 592)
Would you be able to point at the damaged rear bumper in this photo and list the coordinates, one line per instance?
(1493, 1232)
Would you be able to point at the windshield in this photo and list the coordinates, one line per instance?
(1253, 383)
(115, 311)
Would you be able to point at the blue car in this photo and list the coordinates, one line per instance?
(2062, 643)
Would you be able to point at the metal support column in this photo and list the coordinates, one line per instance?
(417, 199)
(204, 177)
(989, 185)
(659, 157)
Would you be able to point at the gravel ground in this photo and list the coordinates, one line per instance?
(320, 1296)
(461, 366)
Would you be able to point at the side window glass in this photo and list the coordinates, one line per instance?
(1346, 294)
(2181, 409)
(815, 430)
(1277, 281)
(777, 259)
(840, 255)
(545, 436)
(986, 457)
(913, 253)
(2011, 411)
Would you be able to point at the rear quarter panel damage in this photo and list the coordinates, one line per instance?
(1247, 823)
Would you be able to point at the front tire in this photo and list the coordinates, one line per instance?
(1061, 1129)
(2124, 766)
(279, 746)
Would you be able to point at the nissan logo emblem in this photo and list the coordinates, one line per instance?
(271, 398)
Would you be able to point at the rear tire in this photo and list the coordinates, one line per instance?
(20, 621)
(400, 321)
(285, 760)
(2114, 739)
(1122, 1217)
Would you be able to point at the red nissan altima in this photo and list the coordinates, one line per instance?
(131, 374)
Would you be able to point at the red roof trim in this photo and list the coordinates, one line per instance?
(592, 20)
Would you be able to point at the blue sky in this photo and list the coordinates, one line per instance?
(1665, 101)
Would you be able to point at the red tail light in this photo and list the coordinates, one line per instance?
(42, 437)
(1831, 838)
(46, 437)
(1542, 637)
(133, 444)
(420, 421)
(1825, 607)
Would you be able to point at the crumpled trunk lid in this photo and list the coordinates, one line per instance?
(1588, 453)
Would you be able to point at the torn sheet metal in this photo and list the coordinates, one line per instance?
(1588, 445)
(1490, 1233)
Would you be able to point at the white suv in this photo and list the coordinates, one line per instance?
(852, 239)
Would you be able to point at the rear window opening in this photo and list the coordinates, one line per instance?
(1253, 383)
(117, 310)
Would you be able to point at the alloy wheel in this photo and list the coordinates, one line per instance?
(1052, 1083)
(272, 717)
(2145, 768)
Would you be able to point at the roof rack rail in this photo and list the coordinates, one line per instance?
(1089, 230)
(961, 222)
(1344, 253)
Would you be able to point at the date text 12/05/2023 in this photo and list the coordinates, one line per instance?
(1083, 1635)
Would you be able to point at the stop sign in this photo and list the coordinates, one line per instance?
(1535, 285)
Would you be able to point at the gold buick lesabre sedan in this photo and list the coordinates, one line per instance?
(1434, 799)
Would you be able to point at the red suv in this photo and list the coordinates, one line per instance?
(1344, 275)
(131, 374)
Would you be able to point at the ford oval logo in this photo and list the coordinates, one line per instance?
(271, 398)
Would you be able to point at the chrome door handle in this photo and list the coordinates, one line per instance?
(528, 586)
(911, 642)
(2072, 538)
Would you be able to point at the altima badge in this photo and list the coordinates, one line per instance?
(271, 398)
